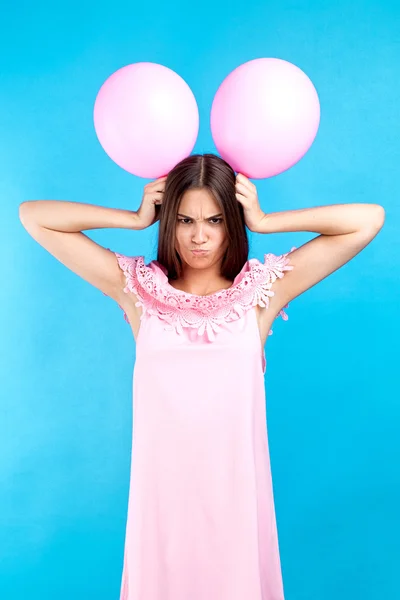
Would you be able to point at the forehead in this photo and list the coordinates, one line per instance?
(198, 203)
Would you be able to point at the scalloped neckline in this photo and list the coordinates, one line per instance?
(199, 295)
(167, 284)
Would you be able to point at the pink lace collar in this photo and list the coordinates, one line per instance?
(163, 277)
(180, 309)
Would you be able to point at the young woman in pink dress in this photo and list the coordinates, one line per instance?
(201, 519)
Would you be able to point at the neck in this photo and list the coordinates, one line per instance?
(201, 282)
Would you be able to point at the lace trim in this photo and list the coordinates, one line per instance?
(180, 309)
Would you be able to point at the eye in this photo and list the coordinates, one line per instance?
(218, 219)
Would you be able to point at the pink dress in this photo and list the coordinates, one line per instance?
(201, 519)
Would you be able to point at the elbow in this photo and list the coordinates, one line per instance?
(25, 211)
(22, 211)
(378, 217)
(23, 208)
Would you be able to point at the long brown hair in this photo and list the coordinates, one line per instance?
(217, 176)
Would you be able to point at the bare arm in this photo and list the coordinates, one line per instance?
(62, 215)
(57, 226)
(345, 229)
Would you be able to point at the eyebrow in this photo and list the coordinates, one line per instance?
(187, 216)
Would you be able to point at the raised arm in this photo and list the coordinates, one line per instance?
(57, 226)
(345, 229)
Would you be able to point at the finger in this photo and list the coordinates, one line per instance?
(156, 186)
(243, 189)
(156, 181)
(158, 197)
(240, 178)
(240, 197)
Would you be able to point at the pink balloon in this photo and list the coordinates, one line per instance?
(146, 119)
(264, 117)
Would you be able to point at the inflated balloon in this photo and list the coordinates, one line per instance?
(264, 117)
(146, 119)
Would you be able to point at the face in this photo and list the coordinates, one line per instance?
(200, 226)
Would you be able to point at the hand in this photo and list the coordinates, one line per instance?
(153, 196)
(246, 193)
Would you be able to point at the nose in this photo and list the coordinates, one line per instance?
(199, 234)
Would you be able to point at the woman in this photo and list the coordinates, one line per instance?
(201, 519)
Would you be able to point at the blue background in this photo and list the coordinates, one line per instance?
(68, 354)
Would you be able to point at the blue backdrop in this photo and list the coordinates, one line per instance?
(68, 354)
